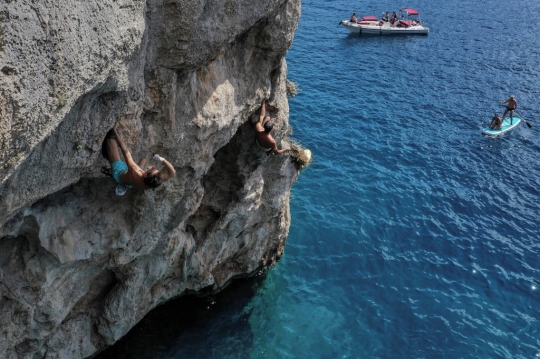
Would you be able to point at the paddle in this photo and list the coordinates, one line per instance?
(528, 124)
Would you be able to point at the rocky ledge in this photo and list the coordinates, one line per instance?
(80, 266)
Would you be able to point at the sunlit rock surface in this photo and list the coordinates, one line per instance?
(79, 266)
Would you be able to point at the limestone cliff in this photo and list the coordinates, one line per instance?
(79, 266)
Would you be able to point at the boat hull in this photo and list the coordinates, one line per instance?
(384, 29)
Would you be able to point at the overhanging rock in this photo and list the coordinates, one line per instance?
(79, 266)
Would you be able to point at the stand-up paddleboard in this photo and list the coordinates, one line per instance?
(505, 127)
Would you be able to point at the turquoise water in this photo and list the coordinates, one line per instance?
(413, 235)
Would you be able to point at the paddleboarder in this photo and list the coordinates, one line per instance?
(496, 121)
(510, 107)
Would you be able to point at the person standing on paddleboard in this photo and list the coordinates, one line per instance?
(512, 106)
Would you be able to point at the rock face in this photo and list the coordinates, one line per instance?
(79, 266)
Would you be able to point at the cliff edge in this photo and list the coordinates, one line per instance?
(79, 265)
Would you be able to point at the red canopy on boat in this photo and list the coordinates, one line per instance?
(369, 18)
(411, 11)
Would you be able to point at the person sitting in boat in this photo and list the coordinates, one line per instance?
(394, 18)
(512, 105)
(496, 121)
(386, 17)
(353, 18)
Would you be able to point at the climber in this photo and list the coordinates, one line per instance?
(129, 173)
(263, 128)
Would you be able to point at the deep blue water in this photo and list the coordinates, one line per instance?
(413, 235)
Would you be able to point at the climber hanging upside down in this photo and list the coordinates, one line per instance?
(129, 173)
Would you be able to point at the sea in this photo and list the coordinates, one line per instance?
(413, 235)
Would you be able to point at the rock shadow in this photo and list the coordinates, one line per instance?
(193, 327)
(233, 164)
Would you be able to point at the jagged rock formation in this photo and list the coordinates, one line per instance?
(80, 266)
